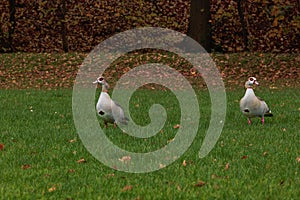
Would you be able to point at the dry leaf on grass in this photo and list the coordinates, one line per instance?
(200, 184)
(1, 146)
(244, 157)
(176, 126)
(52, 189)
(127, 188)
(125, 159)
(298, 159)
(73, 140)
(162, 166)
(110, 175)
(193, 71)
(82, 160)
(184, 163)
(26, 166)
(227, 166)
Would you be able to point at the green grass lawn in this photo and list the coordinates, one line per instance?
(42, 150)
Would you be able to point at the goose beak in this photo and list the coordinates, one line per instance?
(256, 83)
(96, 81)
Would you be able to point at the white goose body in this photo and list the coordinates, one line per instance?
(104, 107)
(108, 109)
(251, 105)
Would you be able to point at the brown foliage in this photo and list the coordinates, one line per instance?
(272, 25)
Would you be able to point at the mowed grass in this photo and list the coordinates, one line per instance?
(42, 152)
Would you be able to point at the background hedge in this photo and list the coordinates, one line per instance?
(69, 25)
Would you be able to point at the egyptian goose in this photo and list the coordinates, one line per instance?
(253, 106)
(108, 109)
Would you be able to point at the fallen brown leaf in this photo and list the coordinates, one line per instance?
(184, 163)
(73, 140)
(200, 184)
(125, 158)
(193, 71)
(244, 157)
(227, 166)
(82, 160)
(52, 189)
(176, 126)
(1, 146)
(127, 188)
(110, 175)
(298, 159)
(162, 166)
(26, 166)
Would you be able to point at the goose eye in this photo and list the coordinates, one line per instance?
(251, 79)
(101, 79)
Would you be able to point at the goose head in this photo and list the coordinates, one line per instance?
(100, 80)
(251, 81)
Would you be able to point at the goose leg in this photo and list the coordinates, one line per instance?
(262, 120)
(249, 121)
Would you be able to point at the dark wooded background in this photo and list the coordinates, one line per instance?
(72, 25)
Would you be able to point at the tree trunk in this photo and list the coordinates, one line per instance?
(12, 21)
(243, 24)
(199, 26)
(4, 44)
